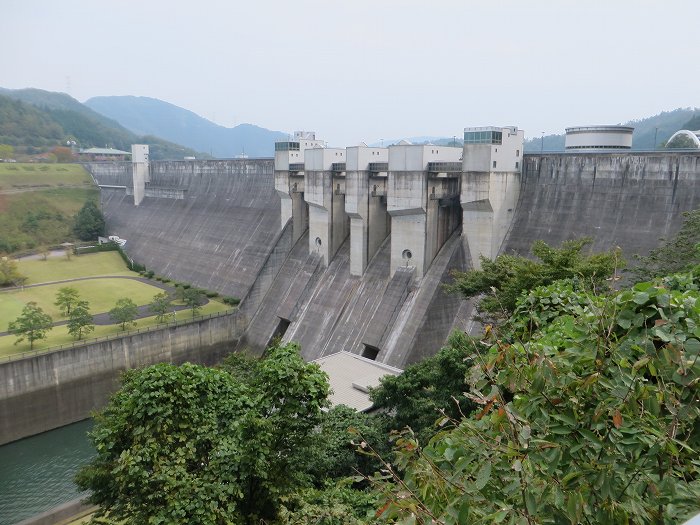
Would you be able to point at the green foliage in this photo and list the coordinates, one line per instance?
(89, 222)
(161, 306)
(231, 301)
(506, 277)
(9, 273)
(124, 312)
(32, 324)
(6, 151)
(428, 390)
(66, 298)
(334, 504)
(678, 254)
(681, 142)
(341, 444)
(591, 418)
(80, 321)
(195, 445)
(193, 299)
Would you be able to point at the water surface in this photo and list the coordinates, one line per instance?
(36, 473)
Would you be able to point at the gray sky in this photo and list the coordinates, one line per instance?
(364, 70)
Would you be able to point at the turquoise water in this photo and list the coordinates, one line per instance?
(36, 473)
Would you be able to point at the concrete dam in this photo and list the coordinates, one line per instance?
(343, 249)
(318, 251)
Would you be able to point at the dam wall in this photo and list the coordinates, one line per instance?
(211, 223)
(49, 390)
(629, 200)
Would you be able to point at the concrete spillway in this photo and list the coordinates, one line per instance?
(210, 223)
(621, 200)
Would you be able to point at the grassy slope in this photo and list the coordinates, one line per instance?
(101, 294)
(38, 202)
(60, 268)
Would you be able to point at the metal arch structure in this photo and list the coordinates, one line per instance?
(693, 135)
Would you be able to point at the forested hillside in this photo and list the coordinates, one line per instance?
(647, 130)
(34, 121)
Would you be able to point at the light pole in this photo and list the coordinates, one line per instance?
(656, 132)
(454, 140)
(542, 144)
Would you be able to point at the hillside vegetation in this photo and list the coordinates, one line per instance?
(34, 121)
(38, 203)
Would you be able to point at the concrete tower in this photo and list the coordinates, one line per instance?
(422, 200)
(365, 203)
(289, 179)
(140, 172)
(492, 164)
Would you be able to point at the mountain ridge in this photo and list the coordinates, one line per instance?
(172, 122)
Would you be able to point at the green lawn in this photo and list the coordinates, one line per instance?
(101, 293)
(60, 268)
(59, 334)
(24, 175)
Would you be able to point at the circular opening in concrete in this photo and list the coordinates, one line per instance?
(406, 255)
(318, 241)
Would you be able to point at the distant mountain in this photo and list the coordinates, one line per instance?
(647, 130)
(36, 118)
(152, 116)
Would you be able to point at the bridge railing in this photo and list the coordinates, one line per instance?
(85, 342)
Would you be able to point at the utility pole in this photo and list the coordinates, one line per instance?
(542, 144)
(656, 132)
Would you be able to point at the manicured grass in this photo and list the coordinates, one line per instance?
(101, 293)
(25, 175)
(59, 334)
(60, 268)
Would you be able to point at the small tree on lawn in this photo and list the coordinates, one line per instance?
(160, 306)
(193, 299)
(32, 324)
(9, 274)
(80, 322)
(66, 299)
(124, 312)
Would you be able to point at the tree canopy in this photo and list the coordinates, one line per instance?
(32, 324)
(505, 278)
(89, 222)
(587, 413)
(124, 312)
(190, 444)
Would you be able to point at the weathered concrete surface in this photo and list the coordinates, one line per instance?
(626, 200)
(217, 236)
(50, 390)
(62, 514)
(429, 314)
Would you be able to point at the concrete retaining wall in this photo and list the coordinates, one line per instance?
(46, 391)
(211, 223)
(626, 200)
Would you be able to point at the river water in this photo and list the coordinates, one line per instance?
(36, 473)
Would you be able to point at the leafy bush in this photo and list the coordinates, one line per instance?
(590, 418)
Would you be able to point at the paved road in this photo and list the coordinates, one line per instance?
(104, 318)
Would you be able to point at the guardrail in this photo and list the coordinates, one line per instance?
(120, 335)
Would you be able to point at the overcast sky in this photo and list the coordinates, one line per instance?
(361, 70)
